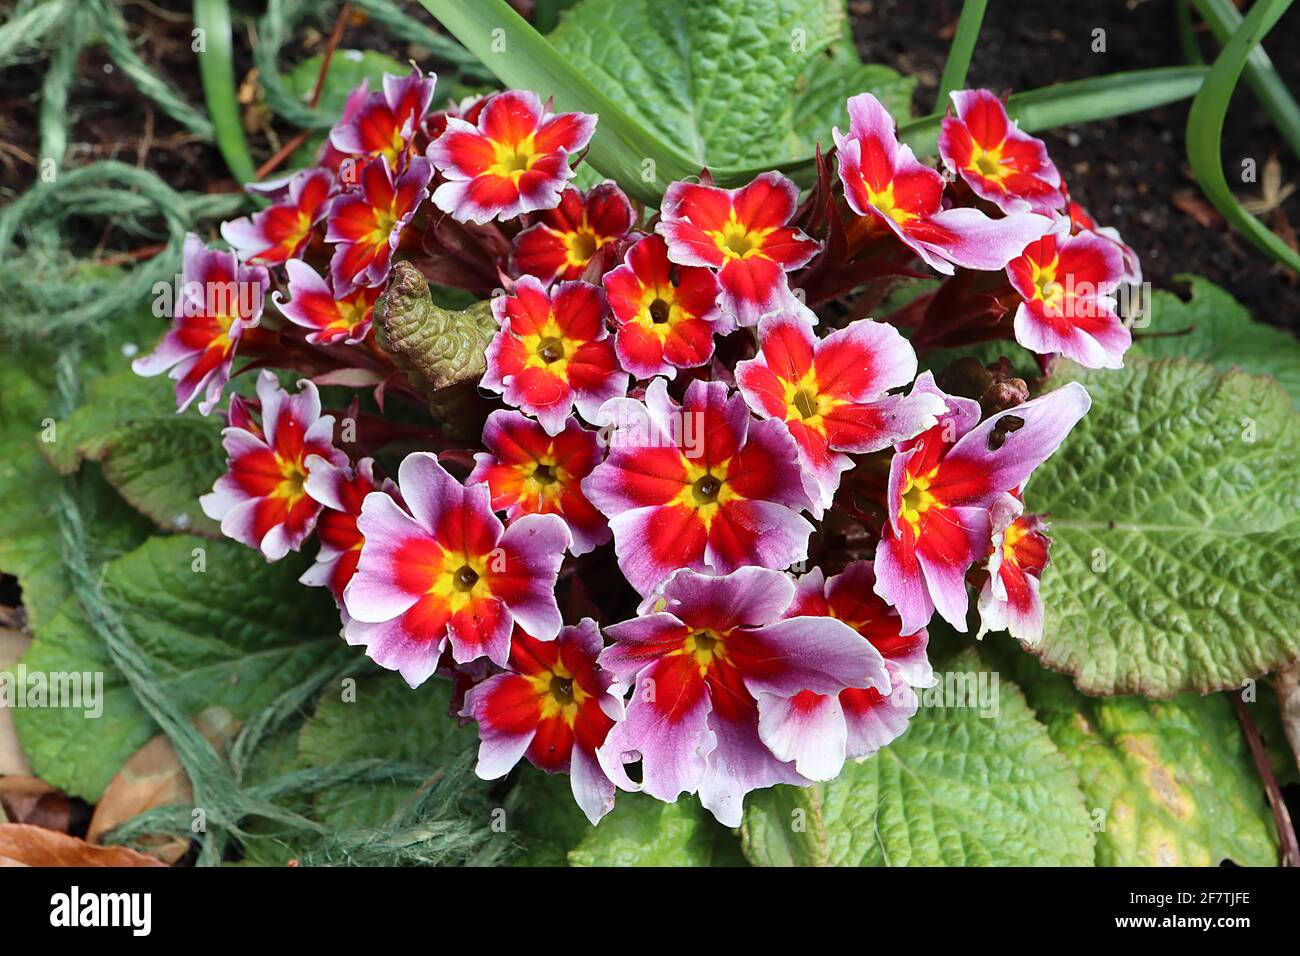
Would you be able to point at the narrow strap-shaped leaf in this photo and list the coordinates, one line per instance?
(959, 54)
(1205, 129)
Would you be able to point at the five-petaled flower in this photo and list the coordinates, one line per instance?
(441, 572)
(1009, 599)
(819, 731)
(281, 231)
(1081, 221)
(666, 314)
(554, 707)
(262, 500)
(383, 124)
(553, 352)
(884, 182)
(943, 483)
(986, 148)
(313, 305)
(367, 223)
(531, 472)
(341, 489)
(1066, 285)
(564, 239)
(700, 486)
(743, 233)
(217, 301)
(710, 657)
(515, 160)
(831, 394)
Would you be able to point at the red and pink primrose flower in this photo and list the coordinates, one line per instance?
(367, 223)
(986, 148)
(707, 658)
(330, 317)
(1081, 221)
(1066, 285)
(819, 731)
(553, 707)
(884, 182)
(217, 300)
(1009, 600)
(262, 500)
(553, 352)
(531, 472)
(942, 485)
(744, 234)
(515, 160)
(383, 124)
(666, 314)
(831, 394)
(563, 240)
(282, 230)
(341, 490)
(701, 485)
(441, 572)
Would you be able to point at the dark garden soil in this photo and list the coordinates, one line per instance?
(1130, 172)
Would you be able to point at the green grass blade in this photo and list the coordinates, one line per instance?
(959, 54)
(217, 71)
(1205, 129)
(1080, 101)
(1262, 78)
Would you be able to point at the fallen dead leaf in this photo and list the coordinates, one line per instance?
(25, 845)
(32, 800)
(13, 645)
(1191, 203)
(154, 777)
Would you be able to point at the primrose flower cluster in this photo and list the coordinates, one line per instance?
(712, 507)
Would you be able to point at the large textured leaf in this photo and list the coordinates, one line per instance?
(958, 789)
(1222, 334)
(385, 720)
(1169, 783)
(235, 635)
(159, 461)
(639, 831)
(733, 83)
(1176, 520)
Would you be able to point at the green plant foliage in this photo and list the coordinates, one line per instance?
(1175, 519)
(958, 789)
(1167, 783)
(226, 635)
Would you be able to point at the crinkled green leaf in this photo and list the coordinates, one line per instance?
(1168, 783)
(160, 461)
(1175, 517)
(732, 83)
(386, 720)
(1223, 334)
(29, 533)
(639, 831)
(235, 636)
(958, 789)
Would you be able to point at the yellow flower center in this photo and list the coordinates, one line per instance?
(805, 403)
(988, 162)
(581, 245)
(737, 241)
(461, 579)
(917, 499)
(511, 161)
(706, 489)
(706, 647)
(885, 204)
(1046, 288)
